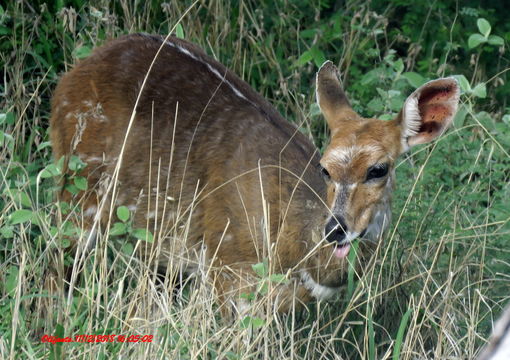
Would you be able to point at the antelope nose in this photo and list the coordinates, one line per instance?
(335, 229)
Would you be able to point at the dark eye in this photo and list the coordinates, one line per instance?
(324, 172)
(377, 171)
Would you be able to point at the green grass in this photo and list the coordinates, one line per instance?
(442, 274)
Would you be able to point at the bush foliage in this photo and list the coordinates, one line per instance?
(444, 270)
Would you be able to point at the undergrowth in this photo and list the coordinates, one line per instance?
(442, 274)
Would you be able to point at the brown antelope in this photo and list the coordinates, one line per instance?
(191, 149)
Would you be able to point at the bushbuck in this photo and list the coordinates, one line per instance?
(219, 177)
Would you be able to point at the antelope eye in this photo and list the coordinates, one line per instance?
(324, 173)
(377, 171)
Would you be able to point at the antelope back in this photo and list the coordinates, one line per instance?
(216, 173)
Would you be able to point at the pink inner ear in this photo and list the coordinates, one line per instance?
(433, 117)
(435, 107)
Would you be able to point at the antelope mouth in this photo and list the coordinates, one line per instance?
(341, 249)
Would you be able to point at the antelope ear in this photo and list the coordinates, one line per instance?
(331, 98)
(428, 111)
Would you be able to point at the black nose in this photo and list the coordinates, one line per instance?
(335, 229)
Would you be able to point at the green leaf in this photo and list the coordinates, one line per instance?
(351, 259)
(123, 213)
(179, 31)
(12, 280)
(82, 52)
(460, 116)
(80, 182)
(127, 248)
(496, 40)
(71, 188)
(6, 232)
(304, 58)
(118, 229)
(143, 234)
(263, 287)
(245, 322)
(475, 40)
(414, 79)
(399, 66)
(260, 269)
(400, 335)
(375, 105)
(257, 322)
(254, 322)
(278, 278)
(463, 83)
(484, 27)
(248, 296)
(318, 56)
(21, 216)
(76, 164)
(50, 171)
(480, 91)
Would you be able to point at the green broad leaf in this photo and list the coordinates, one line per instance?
(278, 279)
(396, 103)
(460, 116)
(260, 269)
(43, 145)
(76, 164)
(463, 83)
(123, 213)
(375, 105)
(257, 322)
(6, 232)
(82, 52)
(386, 117)
(305, 57)
(318, 56)
(127, 248)
(414, 79)
(475, 40)
(65, 242)
(484, 27)
(7, 118)
(24, 199)
(315, 110)
(12, 280)
(496, 40)
(80, 182)
(399, 66)
(480, 91)
(71, 188)
(179, 31)
(118, 229)
(50, 171)
(21, 216)
(245, 322)
(248, 296)
(308, 34)
(143, 234)
(249, 321)
(263, 288)
(5, 30)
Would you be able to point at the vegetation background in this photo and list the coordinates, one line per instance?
(443, 274)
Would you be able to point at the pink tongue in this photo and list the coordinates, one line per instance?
(342, 251)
